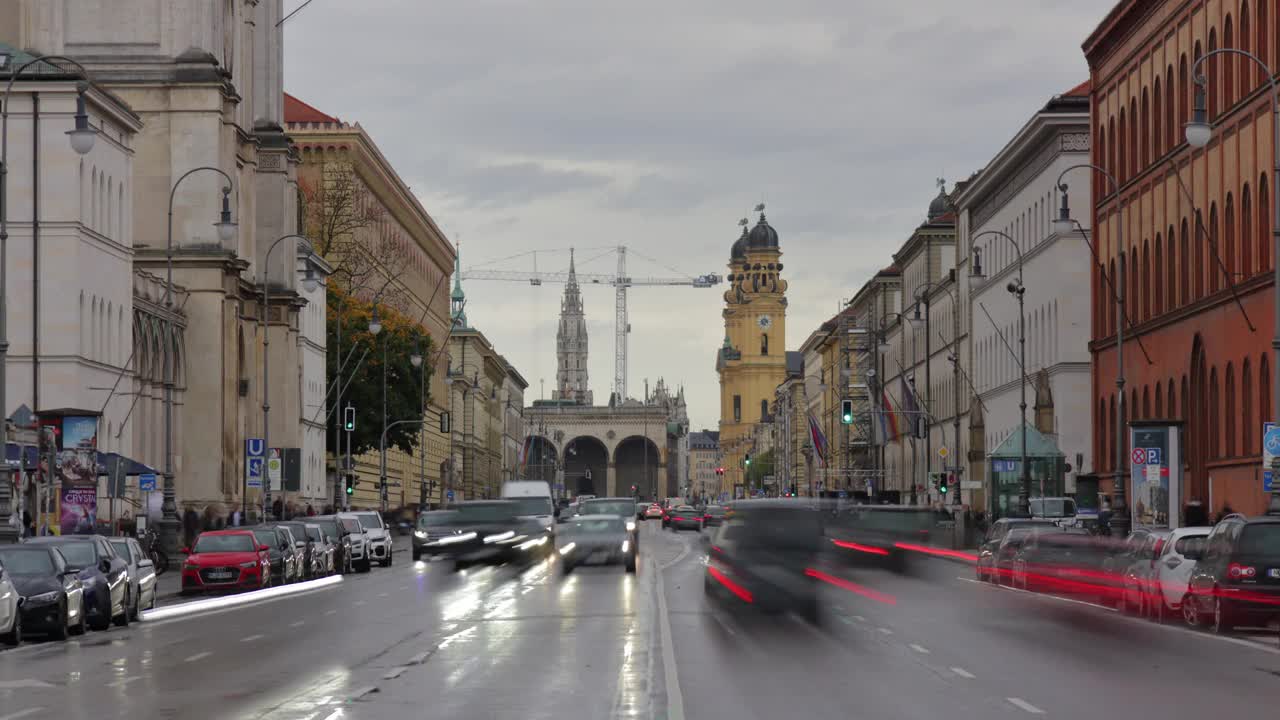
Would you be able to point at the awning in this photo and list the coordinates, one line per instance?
(104, 459)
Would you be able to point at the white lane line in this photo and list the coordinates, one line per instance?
(394, 673)
(21, 713)
(859, 618)
(299, 623)
(250, 638)
(419, 658)
(919, 648)
(1024, 705)
(962, 672)
(124, 681)
(383, 594)
(675, 699)
(330, 612)
(886, 631)
(198, 656)
(334, 715)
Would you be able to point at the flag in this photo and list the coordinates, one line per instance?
(817, 440)
(888, 419)
(524, 450)
(910, 408)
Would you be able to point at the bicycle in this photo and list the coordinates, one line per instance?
(151, 545)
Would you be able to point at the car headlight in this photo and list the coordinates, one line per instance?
(568, 548)
(626, 545)
(631, 526)
(499, 537)
(250, 564)
(43, 598)
(420, 534)
(451, 539)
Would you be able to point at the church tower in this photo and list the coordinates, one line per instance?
(571, 345)
(753, 360)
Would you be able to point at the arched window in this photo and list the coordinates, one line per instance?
(1261, 49)
(1113, 150)
(764, 410)
(1246, 409)
(1146, 287)
(1123, 147)
(1264, 223)
(1215, 416)
(1228, 68)
(1146, 403)
(1101, 442)
(764, 344)
(1159, 408)
(1215, 81)
(1264, 389)
(1170, 271)
(1184, 400)
(1184, 263)
(1144, 137)
(1157, 122)
(1246, 234)
(1111, 421)
(1197, 256)
(1173, 410)
(1101, 152)
(1229, 238)
(1110, 290)
(1229, 413)
(1247, 75)
(1135, 287)
(1215, 271)
(1133, 138)
(1170, 111)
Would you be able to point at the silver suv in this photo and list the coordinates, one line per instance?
(379, 536)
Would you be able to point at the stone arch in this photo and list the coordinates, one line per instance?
(637, 460)
(1196, 412)
(541, 460)
(586, 466)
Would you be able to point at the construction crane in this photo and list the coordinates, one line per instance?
(620, 281)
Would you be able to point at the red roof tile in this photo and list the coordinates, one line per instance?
(1081, 90)
(296, 111)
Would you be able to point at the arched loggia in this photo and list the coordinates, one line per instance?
(586, 466)
(636, 459)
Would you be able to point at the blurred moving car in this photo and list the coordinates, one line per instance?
(620, 507)
(684, 517)
(596, 540)
(142, 574)
(994, 537)
(1173, 568)
(765, 556)
(1137, 578)
(51, 593)
(237, 559)
(431, 525)
(1062, 561)
(1236, 582)
(103, 575)
(713, 515)
(654, 511)
(534, 499)
(378, 544)
(490, 532)
(285, 563)
(879, 535)
(1002, 563)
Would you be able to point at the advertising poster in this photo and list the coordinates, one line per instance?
(1155, 474)
(79, 509)
(79, 431)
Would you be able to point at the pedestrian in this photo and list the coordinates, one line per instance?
(190, 526)
(311, 512)
(236, 518)
(277, 509)
(1104, 517)
(1195, 515)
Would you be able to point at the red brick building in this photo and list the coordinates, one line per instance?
(1198, 269)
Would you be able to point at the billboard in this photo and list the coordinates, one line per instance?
(1155, 472)
(79, 509)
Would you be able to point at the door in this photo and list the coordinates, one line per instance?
(1205, 574)
(8, 602)
(1173, 569)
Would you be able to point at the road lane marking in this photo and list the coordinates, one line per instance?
(419, 658)
(675, 700)
(394, 673)
(382, 594)
(886, 631)
(124, 681)
(962, 672)
(330, 612)
(334, 715)
(859, 618)
(919, 648)
(21, 713)
(251, 638)
(1024, 705)
(300, 623)
(198, 656)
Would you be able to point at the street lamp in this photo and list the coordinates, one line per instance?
(226, 229)
(921, 294)
(415, 359)
(81, 138)
(1018, 290)
(310, 283)
(1120, 513)
(375, 325)
(1199, 131)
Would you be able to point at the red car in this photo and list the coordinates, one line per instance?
(226, 560)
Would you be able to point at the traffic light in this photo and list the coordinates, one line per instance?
(846, 411)
(444, 423)
(349, 419)
(351, 485)
(747, 460)
(943, 488)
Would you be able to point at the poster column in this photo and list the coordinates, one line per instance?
(1155, 469)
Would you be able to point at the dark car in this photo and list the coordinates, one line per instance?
(309, 555)
(104, 574)
(622, 507)
(1063, 562)
(52, 594)
(684, 517)
(596, 540)
(765, 555)
(340, 536)
(285, 562)
(488, 531)
(431, 525)
(713, 515)
(985, 566)
(1236, 580)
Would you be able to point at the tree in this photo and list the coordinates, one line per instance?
(362, 379)
(761, 465)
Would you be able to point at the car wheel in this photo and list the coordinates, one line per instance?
(104, 620)
(387, 562)
(1222, 620)
(14, 636)
(416, 555)
(366, 565)
(631, 566)
(1189, 612)
(60, 632)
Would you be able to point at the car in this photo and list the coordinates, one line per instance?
(617, 506)
(10, 615)
(534, 497)
(640, 509)
(985, 565)
(596, 540)
(103, 574)
(713, 515)
(322, 549)
(765, 556)
(431, 525)
(310, 560)
(1062, 561)
(1173, 566)
(1236, 581)
(684, 516)
(377, 537)
(234, 559)
(285, 565)
(142, 573)
(1002, 562)
(1136, 580)
(654, 511)
(51, 591)
(488, 532)
(347, 538)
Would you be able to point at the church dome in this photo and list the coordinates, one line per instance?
(940, 205)
(739, 250)
(763, 236)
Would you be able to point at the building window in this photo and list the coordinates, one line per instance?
(764, 410)
(764, 344)
(737, 408)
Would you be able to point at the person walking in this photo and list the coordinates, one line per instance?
(190, 526)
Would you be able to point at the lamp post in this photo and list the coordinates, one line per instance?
(1064, 225)
(81, 138)
(923, 298)
(883, 346)
(309, 283)
(416, 360)
(1018, 289)
(226, 229)
(1199, 132)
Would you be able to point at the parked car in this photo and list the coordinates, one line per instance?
(10, 615)
(322, 550)
(285, 563)
(995, 536)
(1002, 563)
(235, 559)
(1124, 554)
(102, 573)
(488, 531)
(1138, 577)
(378, 545)
(1237, 580)
(1173, 568)
(592, 539)
(309, 558)
(684, 517)
(343, 536)
(51, 592)
(1063, 561)
(142, 573)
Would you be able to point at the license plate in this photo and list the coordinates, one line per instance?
(1274, 572)
(219, 575)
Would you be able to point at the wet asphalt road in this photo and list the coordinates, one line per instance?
(415, 641)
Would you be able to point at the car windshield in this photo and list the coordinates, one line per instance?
(532, 505)
(79, 554)
(370, 520)
(484, 512)
(608, 507)
(597, 525)
(1053, 507)
(315, 534)
(1260, 539)
(432, 519)
(231, 543)
(351, 525)
(328, 526)
(26, 562)
(267, 537)
(122, 549)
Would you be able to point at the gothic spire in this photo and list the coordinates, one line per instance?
(458, 299)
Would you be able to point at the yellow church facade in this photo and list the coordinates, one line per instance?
(752, 361)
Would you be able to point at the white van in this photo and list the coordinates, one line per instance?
(534, 497)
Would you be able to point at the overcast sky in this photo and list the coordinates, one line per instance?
(549, 124)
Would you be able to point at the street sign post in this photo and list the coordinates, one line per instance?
(254, 455)
(274, 467)
(1270, 452)
(147, 482)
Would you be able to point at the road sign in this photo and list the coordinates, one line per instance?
(1270, 443)
(254, 447)
(147, 482)
(449, 495)
(943, 452)
(254, 452)
(1139, 456)
(1268, 484)
(274, 467)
